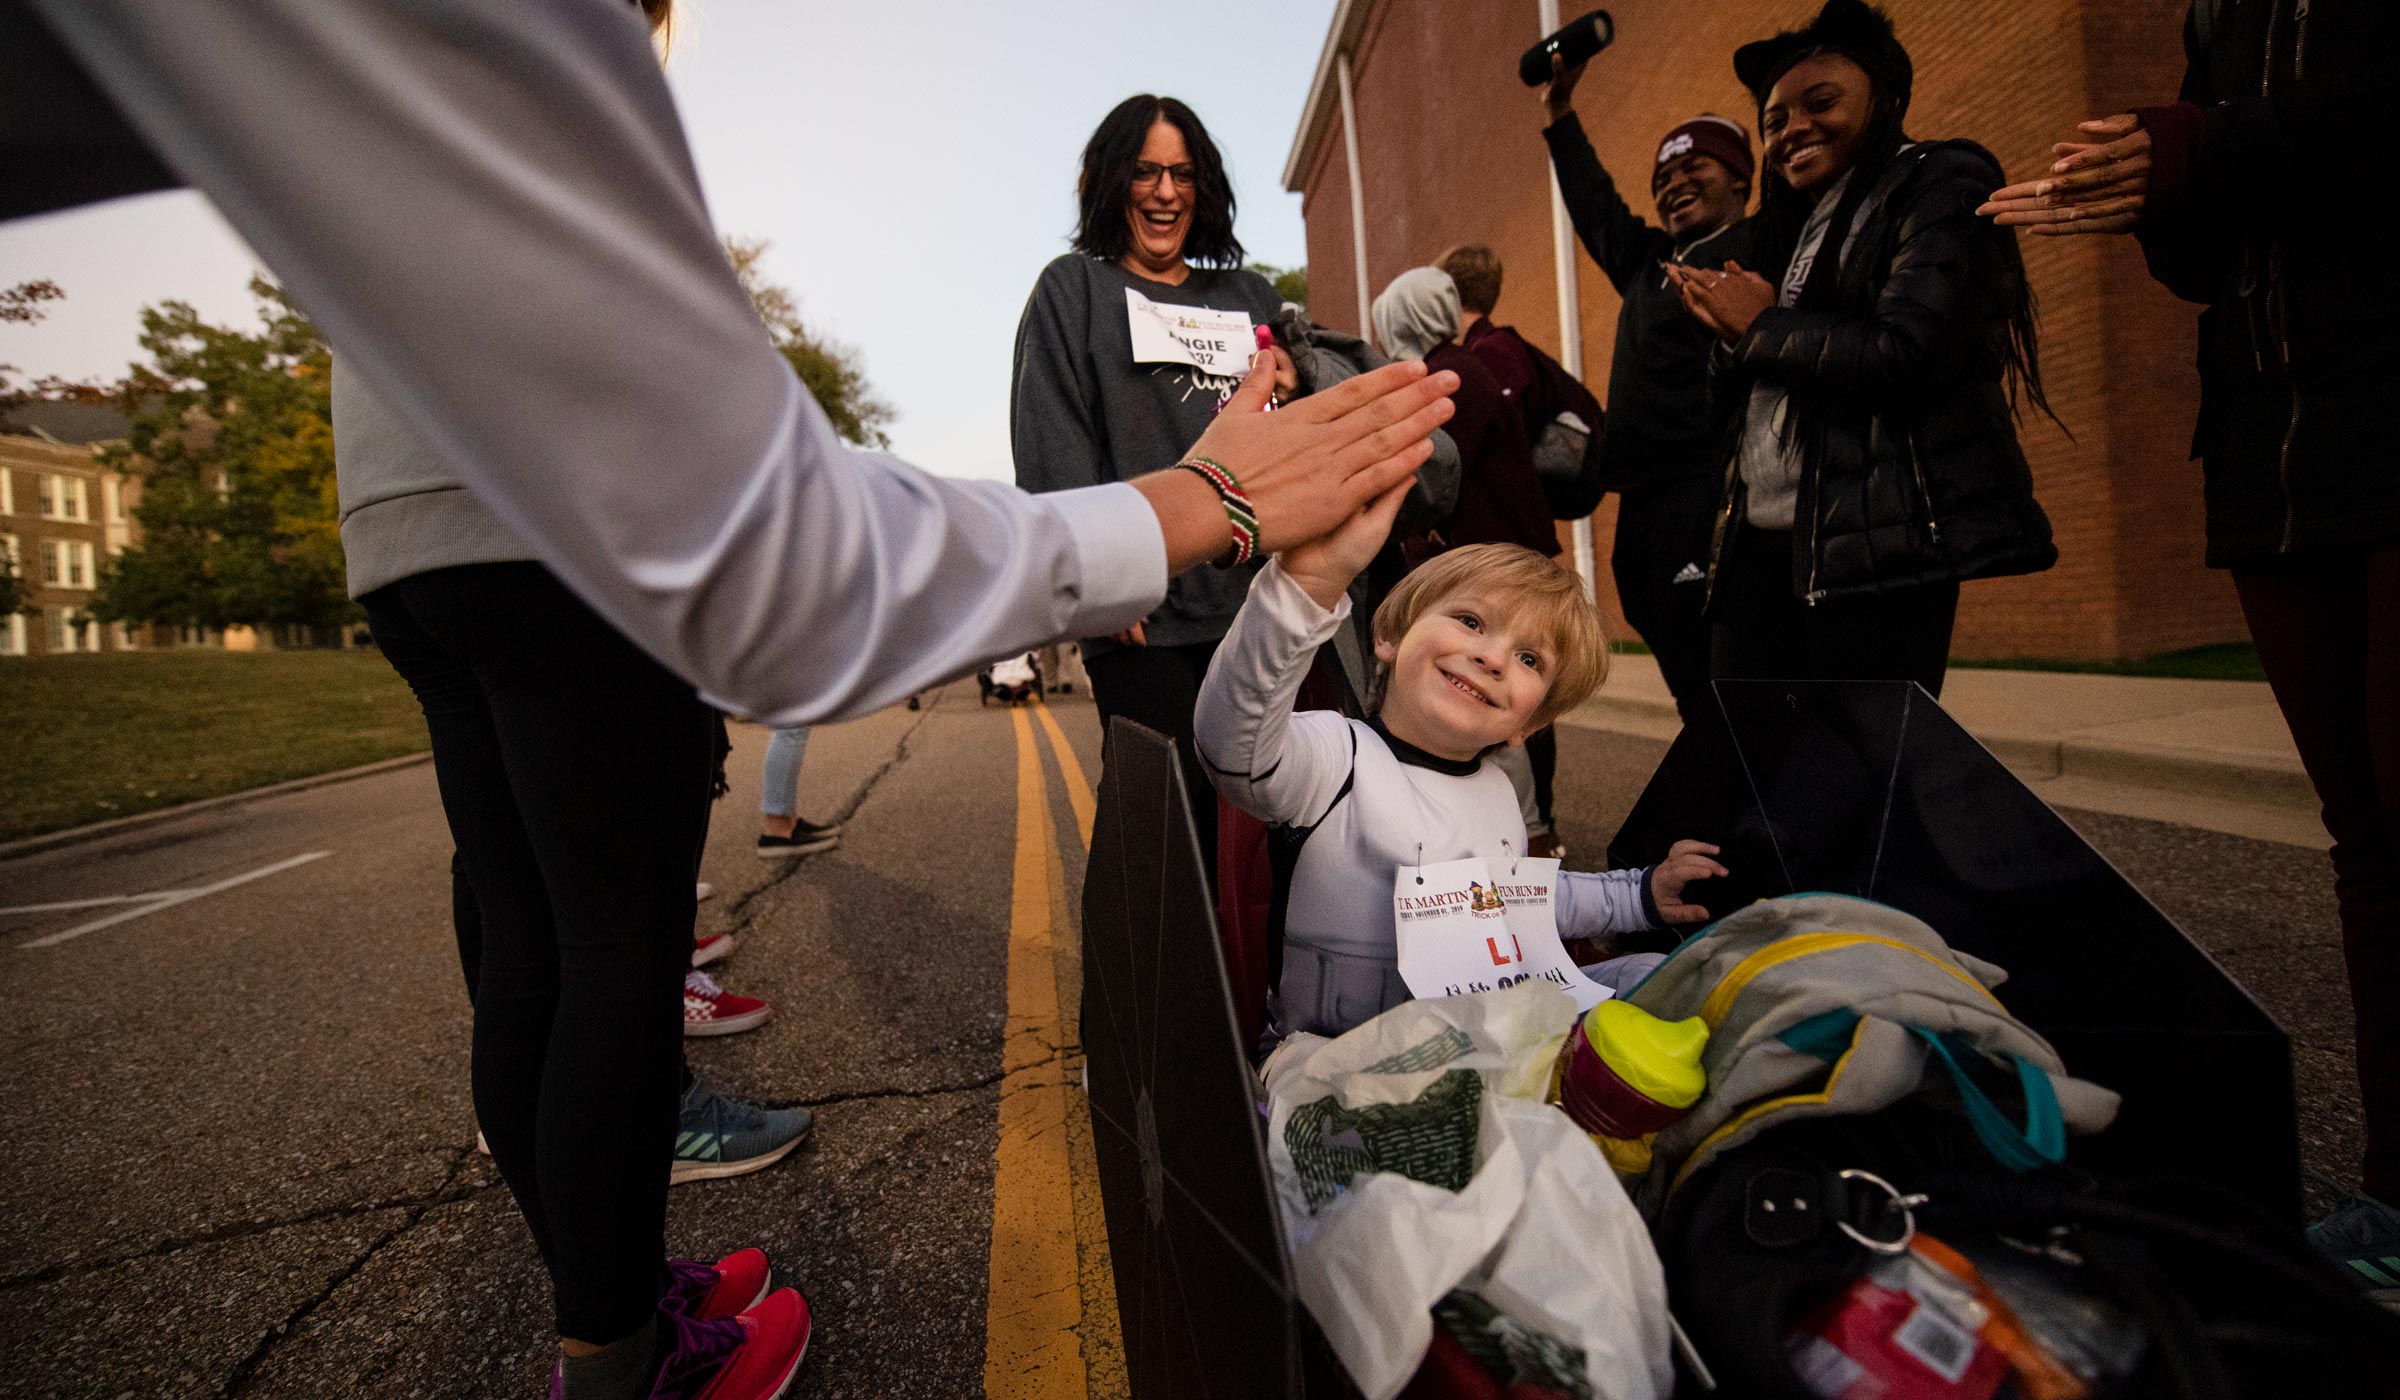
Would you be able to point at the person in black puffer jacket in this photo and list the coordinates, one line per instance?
(2229, 190)
(1870, 399)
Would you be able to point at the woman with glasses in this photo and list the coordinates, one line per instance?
(1129, 345)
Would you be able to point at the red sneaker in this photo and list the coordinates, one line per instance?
(749, 1357)
(709, 1009)
(709, 949)
(734, 1284)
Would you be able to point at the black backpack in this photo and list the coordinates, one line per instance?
(2233, 1304)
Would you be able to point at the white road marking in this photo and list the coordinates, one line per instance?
(161, 899)
(85, 903)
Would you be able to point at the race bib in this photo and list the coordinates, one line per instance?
(1214, 342)
(1475, 926)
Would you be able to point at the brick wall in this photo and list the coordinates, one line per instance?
(1450, 150)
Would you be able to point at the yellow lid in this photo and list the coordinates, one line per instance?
(1658, 1059)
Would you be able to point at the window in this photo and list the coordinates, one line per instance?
(8, 492)
(54, 569)
(126, 640)
(12, 635)
(80, 567)
(55, 631)
(72, 502)
(113, 489)
(14, 553)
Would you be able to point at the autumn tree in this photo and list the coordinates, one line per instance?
(829, 369)
(232, 436)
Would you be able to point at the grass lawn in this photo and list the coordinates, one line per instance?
(2227, 661)
(106, 735)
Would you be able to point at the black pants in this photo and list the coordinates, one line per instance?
(1659, 561)
(574, 771)
(1760, 631)
(1542, 747)
(1156, 687)
(2328, 631)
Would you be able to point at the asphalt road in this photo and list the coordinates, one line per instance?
(238, 1142)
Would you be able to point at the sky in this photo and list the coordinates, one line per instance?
(913, 167)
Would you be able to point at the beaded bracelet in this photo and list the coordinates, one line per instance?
(1238, 510)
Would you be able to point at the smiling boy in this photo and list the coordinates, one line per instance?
(1476, 649)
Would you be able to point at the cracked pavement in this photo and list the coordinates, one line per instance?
(238, 1141)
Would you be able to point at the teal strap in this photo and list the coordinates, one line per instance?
(2042, 1142)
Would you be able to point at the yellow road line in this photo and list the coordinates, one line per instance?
(1033, 1347)
(1079, 790)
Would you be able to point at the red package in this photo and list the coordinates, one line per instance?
(1878, 1342)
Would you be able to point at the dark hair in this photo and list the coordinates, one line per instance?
(1106, 185)
(1476, 270)
(1783, 212)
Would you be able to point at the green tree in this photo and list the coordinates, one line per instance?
(1290, 283)
(829, 369)
(12, 588)
(232, 437)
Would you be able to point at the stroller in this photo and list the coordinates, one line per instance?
(1011, 679)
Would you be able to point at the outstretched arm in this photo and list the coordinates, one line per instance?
(574, 344)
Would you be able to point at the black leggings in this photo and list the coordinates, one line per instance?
(1760, 631)
(575, 772)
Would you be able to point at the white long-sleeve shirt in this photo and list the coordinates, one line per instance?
(1357, 804)
(489, 206)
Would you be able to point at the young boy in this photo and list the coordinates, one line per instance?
(1476, 649)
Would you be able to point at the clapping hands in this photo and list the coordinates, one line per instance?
(2097, 186)
(1725, 300)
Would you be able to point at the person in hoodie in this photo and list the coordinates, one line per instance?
(1877, 379)
(2226, 189)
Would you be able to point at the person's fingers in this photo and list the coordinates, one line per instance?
(1386, 507)
(2122, 124)
(2115, 223)
(1390, 416)
(2109, 154)
(1256, 388)
(1385, 442)
(1360, 390)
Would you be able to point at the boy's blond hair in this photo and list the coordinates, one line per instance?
(1530, 583)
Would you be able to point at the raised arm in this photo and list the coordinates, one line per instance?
(1622, 244)
(1282, 768)
(489, 206)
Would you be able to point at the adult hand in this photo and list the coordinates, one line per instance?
(2097, 186)
(1306, 469)
(1686, 862)
(1324, 566)
(1133, 636)
(1558, 95)
(1725, 301)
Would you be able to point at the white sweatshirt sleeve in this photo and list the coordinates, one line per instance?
(1285, 769)
(1590, 904)
(488, 206)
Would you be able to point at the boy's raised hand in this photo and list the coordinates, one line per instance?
(1324, 566)
(1686, 861)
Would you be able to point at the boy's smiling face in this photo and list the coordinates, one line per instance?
(1470, 673)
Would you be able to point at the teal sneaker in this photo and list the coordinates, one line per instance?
(2363, 1236)
(721, 1137)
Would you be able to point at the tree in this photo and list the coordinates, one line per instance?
(12, 588)
(1290, 283)
(232, 436)
(23, 302)
(829, 369)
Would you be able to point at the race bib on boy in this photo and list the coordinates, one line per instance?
(1211, 341)
(1476, 926)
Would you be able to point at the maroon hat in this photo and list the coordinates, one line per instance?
(1720, 138)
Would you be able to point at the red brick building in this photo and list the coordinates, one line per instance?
(1449, 150)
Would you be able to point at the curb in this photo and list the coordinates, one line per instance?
(77, 835)
(2179, 771)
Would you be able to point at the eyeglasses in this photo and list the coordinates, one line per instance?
(1146, 175)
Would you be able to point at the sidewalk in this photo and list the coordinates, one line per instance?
(2208, 754)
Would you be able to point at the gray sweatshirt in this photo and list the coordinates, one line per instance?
(1081, 412)
(403, 510)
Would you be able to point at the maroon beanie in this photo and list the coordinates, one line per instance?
(1708, 134)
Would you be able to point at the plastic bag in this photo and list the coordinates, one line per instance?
(1416, 1165)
